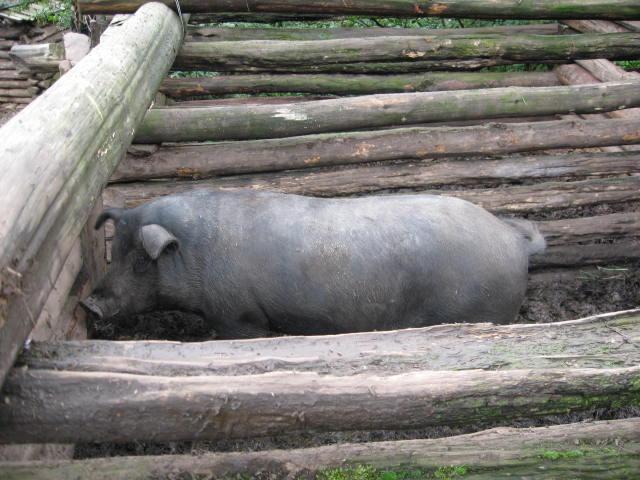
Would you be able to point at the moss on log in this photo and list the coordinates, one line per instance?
(555, 9)
(277, 55)
(352, 84)
(598, 450)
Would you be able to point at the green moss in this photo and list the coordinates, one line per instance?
(562, 455)
(366, 472)
(450, 472)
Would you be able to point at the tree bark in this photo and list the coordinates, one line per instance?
(273, 54)
(238, 123)
(112, 407)
(570, 9)
(62, 149)
(421, 174)
(352, 84)
(228, 158)
(598, 450)
(593, 342)
(539, 197)
(195, 33)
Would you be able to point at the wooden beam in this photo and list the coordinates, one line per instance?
(593, 342)
(599, 9)
(239, 123)
(597, 450)
(352, 84)
(197, 33)
(57, 154)
(538, 197)
(43, 57)
(252, 156)
(116, 407)
(274, 55)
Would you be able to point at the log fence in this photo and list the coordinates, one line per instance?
(325, 112)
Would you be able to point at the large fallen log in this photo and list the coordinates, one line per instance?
(546, 196)
(195, 33)
(252, 156)
(352, 84)
(239, 123)
(274, 54)
(598, 450)
(601, 9)
(117, 407)
(593, 342)
(53, 169)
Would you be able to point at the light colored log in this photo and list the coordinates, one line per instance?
(52, 172)
(593, 342)
(27, 92)
(601, 9)
(112, 407)
(598, 450)
(238, 123)
(44, 57)
(227, 158)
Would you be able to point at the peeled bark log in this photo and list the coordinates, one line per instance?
(247, 101)
(28, 92)
(113, 407)
(352, 84)
(593, 342)
(603, 9)
(21, 100)
(13, 84)
(53, 169)
(12, 75)
(573, 74)
(44, 57)
(239, 123)
(598, 450)
(539, 197)
(199, 34)
(273, 54)
(229, 158)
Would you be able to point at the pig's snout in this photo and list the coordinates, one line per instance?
(93, 307)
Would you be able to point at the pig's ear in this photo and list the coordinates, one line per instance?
(155, 239)
(108, 213)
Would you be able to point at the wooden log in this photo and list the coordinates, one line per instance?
(257, 17)
(546, 196)
(196, 33)
(352, 84)
(572, 74)
(12, 75)
(593, 342)
(17, 84)
(309, 151)
(270, 54)
(423, 174)
(21, 100)
(116, 407)
(44, 57)
(51, 176)
(247, 101)
(238, 123)
(571, 9)
(597, 450)
(634, 26)
(27, 92)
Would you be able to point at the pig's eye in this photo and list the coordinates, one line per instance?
(141, 264)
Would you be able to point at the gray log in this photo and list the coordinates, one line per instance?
(598, 450)
(116, 407)
(239, 123)
(57, 154)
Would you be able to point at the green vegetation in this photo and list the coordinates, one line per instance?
(630, 65)
(561, 455)
(57, 12)
(365, 472)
